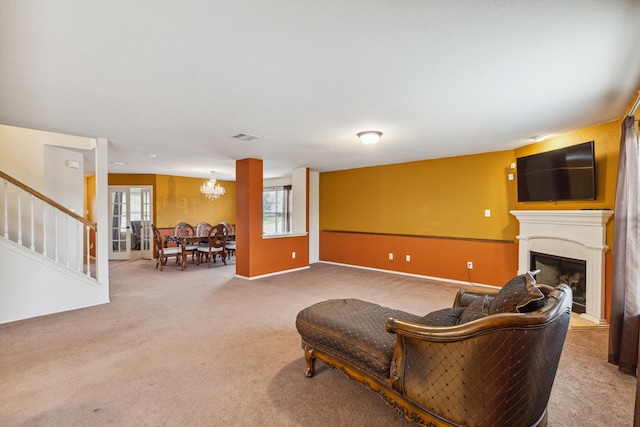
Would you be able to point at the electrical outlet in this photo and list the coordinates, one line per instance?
(293, 254)
(469, 265)
(390, 255)
(407, 258)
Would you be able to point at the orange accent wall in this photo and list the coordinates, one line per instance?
(255, 255)
(494, 263)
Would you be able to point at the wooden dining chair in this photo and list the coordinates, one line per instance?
(185, 229)
(202, 229)
(163, 252)
(216, 241)
(230, 246)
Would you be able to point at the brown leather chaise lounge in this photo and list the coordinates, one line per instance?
(490, 360)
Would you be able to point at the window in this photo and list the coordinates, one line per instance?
(276, 210)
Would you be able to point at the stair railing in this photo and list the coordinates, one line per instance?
(45, 226)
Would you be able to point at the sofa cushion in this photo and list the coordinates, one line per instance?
(444, 317)
(477, 309)
(516, 294)
(353, 331)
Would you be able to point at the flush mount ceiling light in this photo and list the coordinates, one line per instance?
(245, 137)
(369, 137)
(539, 138)
(211, 188)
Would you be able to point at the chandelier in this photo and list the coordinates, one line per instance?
(211, 188)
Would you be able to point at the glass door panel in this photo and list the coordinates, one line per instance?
(120, 232)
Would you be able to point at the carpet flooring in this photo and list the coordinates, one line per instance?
(203, 348)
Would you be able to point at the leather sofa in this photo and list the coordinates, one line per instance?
(490, 360)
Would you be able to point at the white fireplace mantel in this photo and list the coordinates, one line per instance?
(577, 234)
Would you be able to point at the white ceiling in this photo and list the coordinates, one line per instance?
(439, 78)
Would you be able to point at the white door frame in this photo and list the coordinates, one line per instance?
(122, 247)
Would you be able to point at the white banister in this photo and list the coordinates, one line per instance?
(33, 236)
(44, 239)
(88, 246)
(56, 239)
(19, 217)
(6, 212)
(44, 228)
(66, 240)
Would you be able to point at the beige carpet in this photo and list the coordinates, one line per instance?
(203, 348)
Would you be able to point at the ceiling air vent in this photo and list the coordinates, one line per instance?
(245, 137)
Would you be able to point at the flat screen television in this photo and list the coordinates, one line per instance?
(568, 173)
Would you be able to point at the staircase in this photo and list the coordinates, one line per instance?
(46, 255)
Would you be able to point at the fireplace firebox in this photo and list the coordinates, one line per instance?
(555, 270)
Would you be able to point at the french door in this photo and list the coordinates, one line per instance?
(130, 209)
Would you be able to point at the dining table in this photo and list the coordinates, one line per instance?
(184, 242)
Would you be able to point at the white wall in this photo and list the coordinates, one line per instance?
(30, 287)
(21, 157)
(65, 185)
(22, 153)
(314, 217)
(299, 202)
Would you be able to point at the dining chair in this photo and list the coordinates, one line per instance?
(202, 229)
(230, 245)
(163, 252)
(216, 241)
(185, 229)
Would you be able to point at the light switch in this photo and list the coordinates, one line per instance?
(487, 213)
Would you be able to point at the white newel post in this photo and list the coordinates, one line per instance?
(577, 234)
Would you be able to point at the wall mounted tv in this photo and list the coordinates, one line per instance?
(565, 174)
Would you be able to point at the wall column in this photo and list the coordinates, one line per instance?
(248, 213)
(256, 255)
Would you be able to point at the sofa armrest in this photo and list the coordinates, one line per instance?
(448, 369)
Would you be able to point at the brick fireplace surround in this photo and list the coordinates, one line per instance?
(577, 234)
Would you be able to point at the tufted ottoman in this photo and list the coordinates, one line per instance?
(352, 331)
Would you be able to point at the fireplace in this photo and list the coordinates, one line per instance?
(577, 235)
(555, 270)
